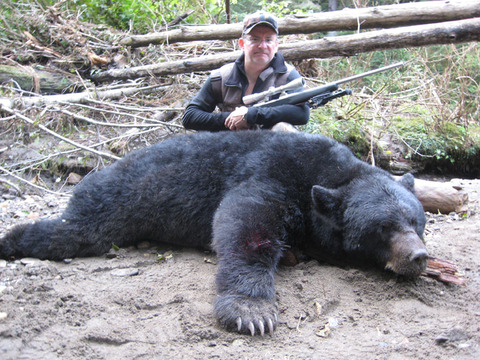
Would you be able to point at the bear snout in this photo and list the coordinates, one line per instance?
(419, 255)
(408, 255)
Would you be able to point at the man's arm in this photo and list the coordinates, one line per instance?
(199, 113)
(269, 116)
(292, 114)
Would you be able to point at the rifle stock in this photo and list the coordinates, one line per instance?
(320, 95)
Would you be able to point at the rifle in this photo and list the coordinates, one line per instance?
(314, 97)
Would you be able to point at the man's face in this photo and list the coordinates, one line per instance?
(259, 46)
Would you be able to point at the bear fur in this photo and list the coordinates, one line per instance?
(249, 196)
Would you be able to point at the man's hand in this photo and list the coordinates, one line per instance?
(236, 120)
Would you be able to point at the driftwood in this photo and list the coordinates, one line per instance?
(348, 19)
(43, 81)
(440, 197)
(348, 45)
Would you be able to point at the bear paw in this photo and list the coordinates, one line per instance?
(246, 315)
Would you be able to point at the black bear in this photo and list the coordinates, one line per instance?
(249, 196)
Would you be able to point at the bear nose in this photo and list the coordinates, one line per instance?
(419, 256)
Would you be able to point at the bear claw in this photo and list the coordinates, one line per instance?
(246, 315)
(270, 326)
(251, 327)
(239, 324)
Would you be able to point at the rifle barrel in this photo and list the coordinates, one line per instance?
(368, 73)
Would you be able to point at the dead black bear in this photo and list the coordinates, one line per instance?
(249, 196)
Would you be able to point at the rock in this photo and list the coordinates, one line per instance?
(124, 272)
(452, 335)
(74, 178)
(143, 245)
(30, 261)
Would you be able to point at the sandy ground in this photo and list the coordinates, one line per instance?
(155, 302)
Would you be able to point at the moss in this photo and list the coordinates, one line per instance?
(438, 147)
(329, 122)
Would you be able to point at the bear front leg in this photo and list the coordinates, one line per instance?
(246, 301)
(248, 236)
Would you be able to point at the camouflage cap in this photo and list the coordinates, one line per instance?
(259, 18)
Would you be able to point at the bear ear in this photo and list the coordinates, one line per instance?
(326, 201)
(408, 181)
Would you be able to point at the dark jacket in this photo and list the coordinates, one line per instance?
(199, 113)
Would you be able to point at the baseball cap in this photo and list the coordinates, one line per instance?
(259, 18)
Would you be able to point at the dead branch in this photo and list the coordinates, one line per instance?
(40, 126)
(348, 45)
(31, 163)
(347, 19)
(29, 183)
(12, 185)
(77, 97)
(444, 271)
(180, 18)
(95, 122)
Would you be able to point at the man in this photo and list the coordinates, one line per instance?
(257, 69)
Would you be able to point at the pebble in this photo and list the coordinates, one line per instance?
(238, 342)
(29, 261)
(124, 272)
(3, 315)
(143, 245)
(453, 335)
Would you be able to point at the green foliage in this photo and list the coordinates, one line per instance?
(430, 106)
(334, 122)
(280, 8)
(141, 16)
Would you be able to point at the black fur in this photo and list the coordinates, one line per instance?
(249, 195)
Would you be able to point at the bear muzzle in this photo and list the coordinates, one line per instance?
(408, 255)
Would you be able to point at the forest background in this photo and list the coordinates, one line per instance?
(424, 117)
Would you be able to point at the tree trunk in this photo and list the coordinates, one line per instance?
(332, 5)
(35, 80)
(347, 19)
(348, 45)
(411, 36)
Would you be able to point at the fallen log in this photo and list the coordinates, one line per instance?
(440, 197)
(387, 16)
(349, 45)
(8, 103)
(43, 81)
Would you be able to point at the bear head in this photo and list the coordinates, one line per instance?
(373, 220)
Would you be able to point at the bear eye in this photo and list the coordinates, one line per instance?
(412, 222)
(386, 228)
